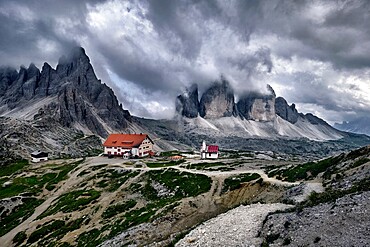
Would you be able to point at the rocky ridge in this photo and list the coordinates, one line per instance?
(219, 101)
(64, 111)
(78, 98)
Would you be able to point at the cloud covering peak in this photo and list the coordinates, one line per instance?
(313, 53)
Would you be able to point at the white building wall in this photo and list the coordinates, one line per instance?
(115, 150)
(39, 159)
(145, 147)
(205, 155)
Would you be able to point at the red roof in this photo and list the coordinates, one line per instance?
(212, 149)
(125, 140)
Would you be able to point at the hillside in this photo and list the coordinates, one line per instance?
(328, 207)
(114, 202)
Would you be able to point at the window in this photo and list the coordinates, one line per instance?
(119, 150)
(109, 152)
(209, 154)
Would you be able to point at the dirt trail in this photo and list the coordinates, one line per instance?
(72, 181)
(104, 203)
(218, 173)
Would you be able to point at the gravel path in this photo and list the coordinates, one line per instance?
(237, 227)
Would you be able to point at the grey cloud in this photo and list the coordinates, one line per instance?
(308, 88)
(196, 41)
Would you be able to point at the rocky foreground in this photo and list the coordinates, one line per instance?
(237, 227)
(345, 222)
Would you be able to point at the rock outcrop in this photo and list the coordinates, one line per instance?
(257, 106)
(286, 112)
(187, 104)
(218, 101)
(81, 99)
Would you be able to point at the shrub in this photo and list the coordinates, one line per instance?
(235, 182)
(119, 208)
(19, 238)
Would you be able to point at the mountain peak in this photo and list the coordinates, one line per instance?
(218, 101)
(79, 98)
(76, 59)
(74, 55)
(258, 106)
(187, 104)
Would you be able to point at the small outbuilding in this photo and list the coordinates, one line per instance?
(209, 151)
(38, 156)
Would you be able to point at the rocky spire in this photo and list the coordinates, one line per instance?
(187, 104)
(257, 106)
(289, 113)
(7, 77)
(80, 98)
(218, 101)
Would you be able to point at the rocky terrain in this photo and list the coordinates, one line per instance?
(189, 132)
(237, 227)
(70, 94)
(156, 201)
(84, 202)
(22, 137)
(331, 209)
(344, 222)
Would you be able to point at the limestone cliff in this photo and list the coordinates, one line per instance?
(218, 101)
(257, 106)
(187, 104)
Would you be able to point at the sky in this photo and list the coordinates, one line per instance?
(315, 54)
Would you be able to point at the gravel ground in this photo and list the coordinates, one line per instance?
(345, 222)
(237, 227)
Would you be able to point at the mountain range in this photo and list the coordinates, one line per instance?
(359, 125)
(71, 94)
(67, 110)
(254, 115)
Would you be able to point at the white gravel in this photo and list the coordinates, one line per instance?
(237, 227)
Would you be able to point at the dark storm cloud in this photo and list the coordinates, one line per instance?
(248, 63)
(340, 36)
(157, 47)
(27, 27)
